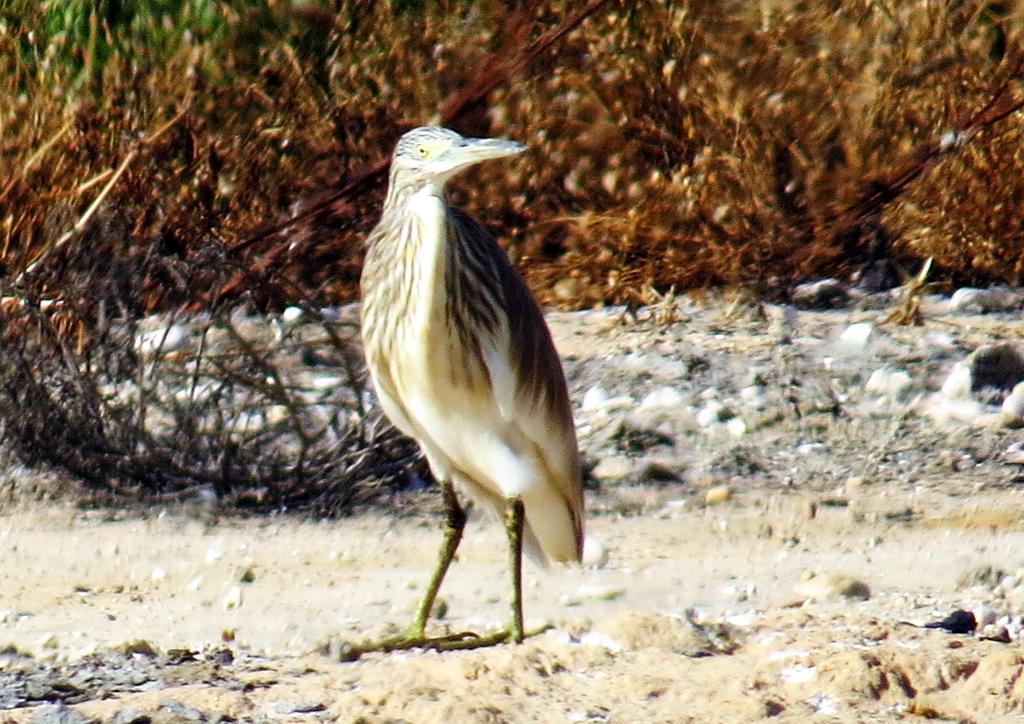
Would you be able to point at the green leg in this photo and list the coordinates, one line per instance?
(415, 637)
(514, 528)
(454, 522)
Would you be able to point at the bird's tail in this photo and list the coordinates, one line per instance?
(553, 532)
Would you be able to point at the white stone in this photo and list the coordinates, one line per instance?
(662, 397)
(938, 340)
(957, 385)
(594, 399)
(233, 599)
(291, 314)
(888, 383)
(710, 414)
(1014, 455)
(856, 336)
(597, 400)
(599, 592)
(736, 427)
(945, 411)
(158, 574)
(596, 638)
(327, 382)
(1013, 405)
(984, 615)
(613, 467)
(48, 641)
(798, 674)
(995, 299)
(164, 339)
(213, 555)
(595, 555)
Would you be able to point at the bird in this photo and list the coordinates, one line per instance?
(463, 362)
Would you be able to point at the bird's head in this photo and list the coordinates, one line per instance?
(430, 155)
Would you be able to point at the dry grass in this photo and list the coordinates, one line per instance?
(675, 146)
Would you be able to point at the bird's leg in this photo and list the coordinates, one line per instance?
(454, 522)
(415, 636)
(514, 528)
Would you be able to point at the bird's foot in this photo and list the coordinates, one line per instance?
(460, 641)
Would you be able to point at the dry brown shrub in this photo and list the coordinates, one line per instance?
(675, 145)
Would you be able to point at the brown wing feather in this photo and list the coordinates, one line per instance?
(540, 406)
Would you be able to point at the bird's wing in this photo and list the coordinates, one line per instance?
(527, 381)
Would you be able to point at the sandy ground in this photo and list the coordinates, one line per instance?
(702, 612)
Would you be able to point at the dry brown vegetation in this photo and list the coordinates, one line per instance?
(674, 145)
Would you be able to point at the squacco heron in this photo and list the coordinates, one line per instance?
(463, 362)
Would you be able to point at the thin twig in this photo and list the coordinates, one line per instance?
(84, 219)
(35, 158)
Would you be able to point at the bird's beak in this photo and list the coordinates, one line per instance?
(469, 151)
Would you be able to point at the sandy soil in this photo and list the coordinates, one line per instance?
(702, 612)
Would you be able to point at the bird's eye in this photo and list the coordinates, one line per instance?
(422, 151)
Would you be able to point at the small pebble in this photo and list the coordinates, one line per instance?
(613, 467)
(712, 412)
(1014, 455)
(822, 294)
(888, 383)
(48, 641)
(994, 299)
(856, 336)
(662, 397)
(831, 586)
(957, 385)
(717, 494)
(853, 484)
(233, 599)
(736, 427)
(600, 592)
(1013, 405)
(595, 555)
(291, 314)
(984, 615)
(137, 646)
